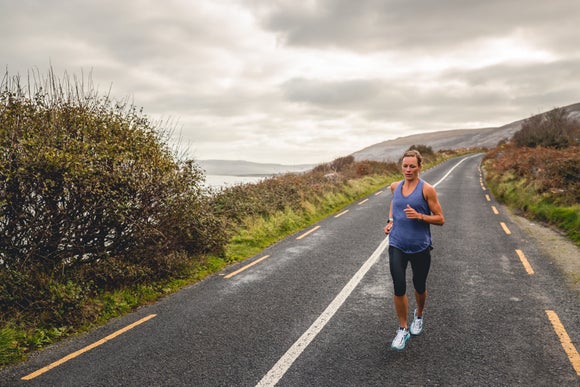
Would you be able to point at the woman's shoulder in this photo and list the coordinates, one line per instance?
(394, 185)
(427, 188)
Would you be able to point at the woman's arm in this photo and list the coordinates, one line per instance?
(436, 216)
(389, 225)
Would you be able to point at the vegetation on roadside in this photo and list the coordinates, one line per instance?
(538, 172)
(91, 201)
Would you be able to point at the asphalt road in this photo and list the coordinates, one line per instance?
(317, 311)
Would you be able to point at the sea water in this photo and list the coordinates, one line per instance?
(220, 181)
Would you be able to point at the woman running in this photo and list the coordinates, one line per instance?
(414, 207)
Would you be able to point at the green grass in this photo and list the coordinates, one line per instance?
(522, 196)
(11, 350)
(259, 233)
(565, 218)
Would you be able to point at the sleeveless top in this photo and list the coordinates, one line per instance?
(410, 235)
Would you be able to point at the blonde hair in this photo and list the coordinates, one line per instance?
(413, 153)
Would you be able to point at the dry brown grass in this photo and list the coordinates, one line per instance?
(554, 173)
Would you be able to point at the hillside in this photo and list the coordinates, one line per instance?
(389, 150)
(450, 139)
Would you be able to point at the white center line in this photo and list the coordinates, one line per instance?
(280, 368)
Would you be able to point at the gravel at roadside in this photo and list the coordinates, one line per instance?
(564, 253)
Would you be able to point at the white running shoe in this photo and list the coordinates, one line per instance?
(417, 324)
(401, 338)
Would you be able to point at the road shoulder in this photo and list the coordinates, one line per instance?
(564, 253)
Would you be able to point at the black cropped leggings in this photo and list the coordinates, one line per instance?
(420, 264)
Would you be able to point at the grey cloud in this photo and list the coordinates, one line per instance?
(498, 94)
(275, 94)
(129, 33)
(545, 83)
(328, 93)
(371, 25)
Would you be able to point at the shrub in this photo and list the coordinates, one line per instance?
(543, 183)
(297, 194)
(553, 129)
(89, 194)
(554, 173)
(425, 150)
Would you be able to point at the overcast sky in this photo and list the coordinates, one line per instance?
(307, 81)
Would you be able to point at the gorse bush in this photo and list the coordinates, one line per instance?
(90, 199)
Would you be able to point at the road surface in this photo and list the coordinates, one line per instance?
(316, 310)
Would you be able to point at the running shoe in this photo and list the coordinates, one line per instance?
(401, 338)
(417, 324)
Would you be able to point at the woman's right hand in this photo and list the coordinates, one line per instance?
(388, 228)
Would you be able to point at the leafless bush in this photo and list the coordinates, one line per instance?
(553, 129)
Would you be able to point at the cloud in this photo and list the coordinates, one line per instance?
(430, 26)
(306, 81)
(338, 93)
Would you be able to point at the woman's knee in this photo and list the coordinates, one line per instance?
(420, 288)
(400, 292)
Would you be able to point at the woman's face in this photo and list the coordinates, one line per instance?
(411, 168)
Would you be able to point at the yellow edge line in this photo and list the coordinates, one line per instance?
(565, 340)
(505, 228)
(525, 262)
(308, 232)
(488, 198)
(341, 214)
(495, 211)
(86, 349)
(246, 267)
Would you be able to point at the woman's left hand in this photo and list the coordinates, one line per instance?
(411, 213)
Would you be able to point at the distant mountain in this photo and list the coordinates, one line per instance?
(391, 150)
(248, 168)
